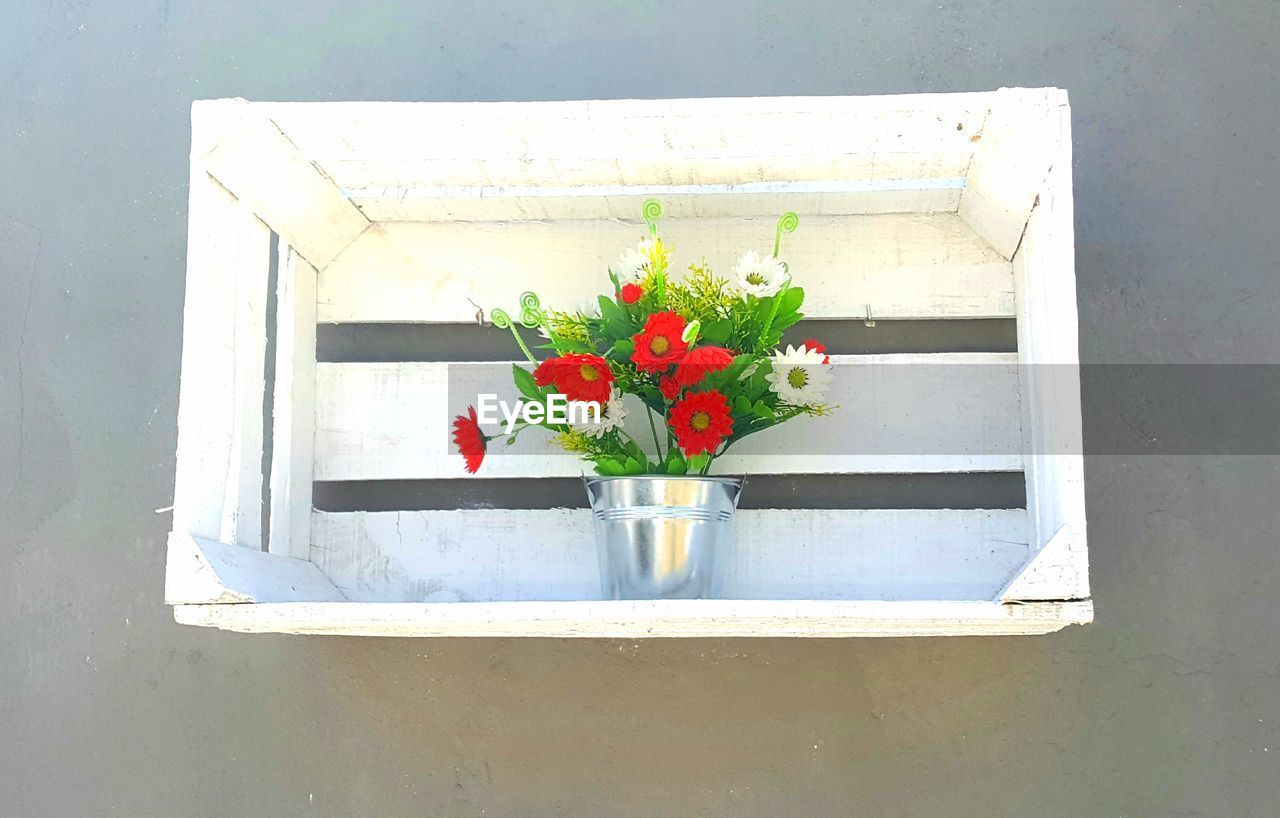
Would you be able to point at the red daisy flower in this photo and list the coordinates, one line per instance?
(470, 440)
(668, 387)
(578, 376)
(694, 366)
(700, 422)
(811, 344)
(659, 345)
(631, 293)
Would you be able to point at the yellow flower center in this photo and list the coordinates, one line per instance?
(700, 421)
(755, 279)
(588, 373)
(659, 345)
(797, 377)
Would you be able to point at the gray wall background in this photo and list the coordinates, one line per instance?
(1168, 706)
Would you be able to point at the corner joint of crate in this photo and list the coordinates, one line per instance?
(1059, 572)
(204, 572)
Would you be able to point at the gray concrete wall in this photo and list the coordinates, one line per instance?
(1168, 706)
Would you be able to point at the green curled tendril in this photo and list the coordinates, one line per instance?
(787, 223)
(531, 316)
(652, 212)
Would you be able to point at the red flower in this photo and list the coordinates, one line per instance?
(471, 441)
(631, 293)
(811, 344)
(700, 422)
(578, 376)
(668, 387)
(659, 345)
(698, 362)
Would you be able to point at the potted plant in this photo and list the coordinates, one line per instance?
(700, 357)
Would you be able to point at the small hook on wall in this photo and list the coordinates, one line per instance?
(479, 312)
(868, 321)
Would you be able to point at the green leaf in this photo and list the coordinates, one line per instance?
(762, 411)
(698, 461)
(675, 462)
(623, 347)
(717, 332)
(525, 383)
(633, 466)
(742, 404)
(784, 322)
(610, 467)
(611, 312)
(791, 300)
(563, 345)
(633, 449)
(739, 365)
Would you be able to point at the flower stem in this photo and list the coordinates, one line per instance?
(657, 447)
(523, 347)
(502, 320)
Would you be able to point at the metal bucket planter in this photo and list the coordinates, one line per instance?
(662, 537)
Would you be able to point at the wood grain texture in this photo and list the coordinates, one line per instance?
(507, 555)
(255, 161)
(902, 266)
(218, 484)
(612, 142)
(482, 204)
(1019, 143)
(201, 571)
(899, 413)
(1048, 344)
(634, 620)
(293, 414)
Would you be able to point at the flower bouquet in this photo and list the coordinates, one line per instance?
(699, 357)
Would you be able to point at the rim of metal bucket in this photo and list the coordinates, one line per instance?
(740, 480)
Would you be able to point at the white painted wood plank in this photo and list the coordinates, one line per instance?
(702, 127)
(201, 571)
(218, 485)
(903, 266)
(1018, 145)
(494, 204)
(255, 161)
(930, 412)
(362, 144)
(293, 433)
(1048, 344)
(644, 619)
(242, 504)
(512, 555)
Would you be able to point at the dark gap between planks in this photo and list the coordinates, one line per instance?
(970, 490)
(269, 385)
(380, 343)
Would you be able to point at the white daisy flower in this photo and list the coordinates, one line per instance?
(759, 275)
(799, 376)
(633, 262)
(612, 415)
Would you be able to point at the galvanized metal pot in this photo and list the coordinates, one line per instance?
(662, 537)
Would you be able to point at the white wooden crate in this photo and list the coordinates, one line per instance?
(926, 207)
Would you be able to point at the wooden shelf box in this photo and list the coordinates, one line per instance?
(946, 206)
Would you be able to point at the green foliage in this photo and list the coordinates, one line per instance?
(750, 327)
